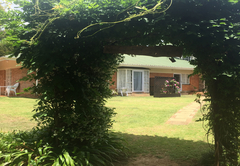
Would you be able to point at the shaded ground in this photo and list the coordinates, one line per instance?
(155, 150)
(152, 161)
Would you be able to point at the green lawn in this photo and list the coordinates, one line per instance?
(139, 120)
(16, 113)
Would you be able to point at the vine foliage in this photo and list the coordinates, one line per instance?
(73, 72)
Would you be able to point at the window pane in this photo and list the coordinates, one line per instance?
(146, 81)
(129, 80)
(137, 81)
(185, 79)
(122, 79)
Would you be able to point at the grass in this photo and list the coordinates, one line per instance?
(16, 113)
(139, 120)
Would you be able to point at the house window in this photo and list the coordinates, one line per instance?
(185, 79)
(133, 80)
(137, 80)
(124, 80)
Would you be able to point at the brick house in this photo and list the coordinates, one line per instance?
(10, 73)
(136, 74)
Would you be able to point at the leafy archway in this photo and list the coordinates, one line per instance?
(73, 71)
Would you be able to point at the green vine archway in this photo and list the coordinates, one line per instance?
(209, 30)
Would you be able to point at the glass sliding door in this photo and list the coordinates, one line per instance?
(137, 80)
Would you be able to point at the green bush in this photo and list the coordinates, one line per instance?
(21, 148)
(73, 121)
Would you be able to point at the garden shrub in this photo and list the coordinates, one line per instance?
(25, 148)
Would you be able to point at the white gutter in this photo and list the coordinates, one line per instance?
(156, 67)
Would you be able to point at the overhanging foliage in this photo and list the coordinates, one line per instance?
(207, 29)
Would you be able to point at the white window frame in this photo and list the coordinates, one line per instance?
(126, 79)
(188, 79)
(142, 71)
(130, 88)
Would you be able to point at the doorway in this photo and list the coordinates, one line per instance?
(178, 79)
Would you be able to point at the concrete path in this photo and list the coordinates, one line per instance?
(184, 116)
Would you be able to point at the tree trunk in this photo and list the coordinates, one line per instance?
(216, 121)
(217, 146)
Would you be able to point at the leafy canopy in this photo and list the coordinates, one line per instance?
(73, 71)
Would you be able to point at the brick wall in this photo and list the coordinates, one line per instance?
(2, 78)
(17, 74)
(114, 80)
(194, 84)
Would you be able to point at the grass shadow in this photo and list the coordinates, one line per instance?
(181, 152)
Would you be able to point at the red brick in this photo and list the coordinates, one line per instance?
(193, 86)
(114, 81)
(2, 80)
(16, 74)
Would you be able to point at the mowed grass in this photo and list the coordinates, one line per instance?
(141, 121)
(16, 113)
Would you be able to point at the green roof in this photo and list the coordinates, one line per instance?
(154, 62)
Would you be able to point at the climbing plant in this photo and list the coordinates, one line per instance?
(74, 74)
(209, 30)
(73, 71)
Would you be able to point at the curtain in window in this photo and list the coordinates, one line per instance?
(137, 81)
(133, 80)
(146, 81)
(185, 79)
(121, 79)
(129, 81)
